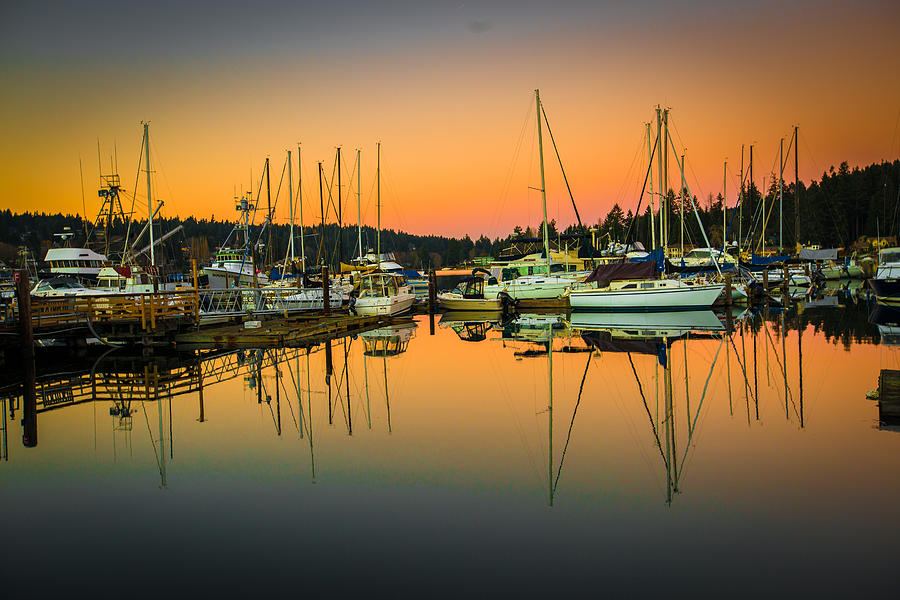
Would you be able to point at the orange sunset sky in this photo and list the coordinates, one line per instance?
(448, 89)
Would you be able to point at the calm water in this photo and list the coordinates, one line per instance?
(657, 462)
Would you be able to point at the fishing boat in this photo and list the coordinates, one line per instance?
(234, 266)
(82, 263)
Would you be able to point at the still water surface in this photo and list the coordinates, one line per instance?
(656, 462)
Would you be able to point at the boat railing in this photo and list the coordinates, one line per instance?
(250, 301)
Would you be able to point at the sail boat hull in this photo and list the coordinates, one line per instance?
(665, 299)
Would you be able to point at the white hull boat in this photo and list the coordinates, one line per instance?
(655, 295)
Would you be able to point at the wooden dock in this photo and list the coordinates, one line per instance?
(889, 397)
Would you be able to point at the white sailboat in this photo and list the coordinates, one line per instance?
(651, 295)
(383, 293)
(536, 286)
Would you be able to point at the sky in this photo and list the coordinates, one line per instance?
(448, 91)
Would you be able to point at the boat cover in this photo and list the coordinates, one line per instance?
(759, 261)
(623, 270)
(824, 254)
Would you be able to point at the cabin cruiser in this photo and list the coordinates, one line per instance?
(469, 295)
(704, 257)
(887, 278)
(135, 280)
(383, 294)
(82, 263)
(57, 287)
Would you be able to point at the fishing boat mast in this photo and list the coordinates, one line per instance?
(537, 97)
(149, 197)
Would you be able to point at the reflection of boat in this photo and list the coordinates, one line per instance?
(887, 318)
(388, 341)
(536, 328)
(887, 279)
(656, 324)
(471, 326)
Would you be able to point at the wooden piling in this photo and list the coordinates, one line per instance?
(326, 289)
(23, 299)
(785, 278)
(766, 279)
(29, 398)
(196, 290)
(728, 291)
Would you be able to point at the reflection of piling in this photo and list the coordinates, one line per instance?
(432, 299)
(326, 291)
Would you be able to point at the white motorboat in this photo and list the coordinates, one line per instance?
(532, 287)
(383, 294)
(469, 295)
(56, 287)
(887, 278)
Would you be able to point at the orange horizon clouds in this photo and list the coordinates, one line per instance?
(449, 92)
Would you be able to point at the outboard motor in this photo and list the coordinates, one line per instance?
(508, 304)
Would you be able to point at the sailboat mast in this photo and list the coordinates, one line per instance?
(358, 204)
(149, 196)
(537, 99)
(650, 159)
(662, 202)
(322, 209)
(291, 205)
(300, 205)
(741, 205)
(340, 247)
(796, 193)
(781, 197)
(378, 203)
(681, 210)
(269, 207)
(665, 180)
(724, 221)
(750, 195)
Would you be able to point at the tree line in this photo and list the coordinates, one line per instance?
(845, 208)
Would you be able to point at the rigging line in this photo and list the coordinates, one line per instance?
(620, 195)
(561, 168)
(287, 396)
(647, 409)
(831, 209)
(137, 178)
(152, 443)
(790, 395)
(640, 199)
(743, 370)
(278, 191)
(562, 457)
(510, 170)
(693, 428)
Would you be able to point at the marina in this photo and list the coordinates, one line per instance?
(463, 300)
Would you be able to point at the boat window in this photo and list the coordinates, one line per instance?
(646, 285)
(630, 286)
(893, 256)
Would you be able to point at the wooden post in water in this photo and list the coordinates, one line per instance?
(196, 290)
(728, 290)
(326, 289)
(785, 278)
(29, 399)
(766, 279)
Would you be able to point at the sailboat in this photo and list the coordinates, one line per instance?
(383, 293)
(536, 286)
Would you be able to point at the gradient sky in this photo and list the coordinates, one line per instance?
(448, 90)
